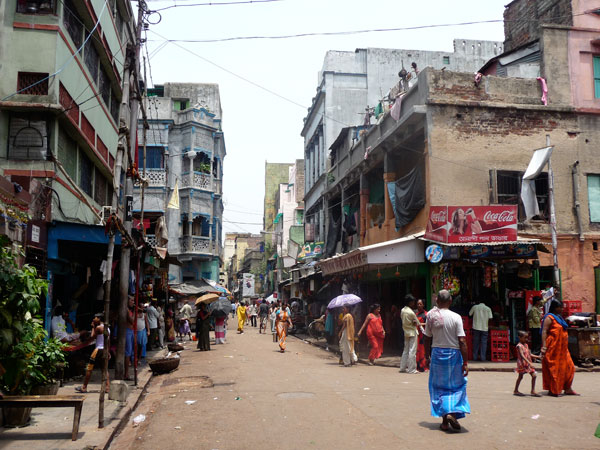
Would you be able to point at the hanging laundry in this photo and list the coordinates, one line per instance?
(132, 282)
(104, 271)
(528, 195)
(477, 79)
(397, 108)
(544, 90)
(378, 110)
(174, 201)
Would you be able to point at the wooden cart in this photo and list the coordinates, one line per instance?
(584, 344)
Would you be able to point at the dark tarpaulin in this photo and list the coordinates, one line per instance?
(193, 287)
(333, 236)
(407, 195)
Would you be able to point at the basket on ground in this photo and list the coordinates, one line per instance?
(175, 347)
(163, 365)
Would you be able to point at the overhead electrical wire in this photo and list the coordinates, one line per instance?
(240, 2)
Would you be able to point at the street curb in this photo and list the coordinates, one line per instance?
(124, 420)
(471, 369)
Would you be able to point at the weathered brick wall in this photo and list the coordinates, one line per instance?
(522, 19)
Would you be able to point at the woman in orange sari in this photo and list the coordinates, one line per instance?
(282, 323)
(558, 369)
(375, 333)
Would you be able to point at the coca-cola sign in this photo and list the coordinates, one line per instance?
(472, 224)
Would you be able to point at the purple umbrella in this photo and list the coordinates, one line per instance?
(344, 300)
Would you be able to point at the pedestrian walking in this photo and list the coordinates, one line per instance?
(558, 369)
(422, 316)
(446, 351)
(184, 321)
(408, 363)
(534, 318)
(97, 354)
(152, 314)
(263, 313)
(284, 322)
(203, 328)
(252, 313)
(525, 365)
(241, 317)
(346, 336)
(482, 314)
(170, 326)
(375, 332)
(161, 327)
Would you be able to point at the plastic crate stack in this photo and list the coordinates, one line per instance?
(500, 347)
(467, 326)
(571, 306)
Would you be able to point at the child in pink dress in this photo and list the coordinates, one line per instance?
(525, 365)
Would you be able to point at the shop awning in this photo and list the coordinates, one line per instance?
(193, 287)
(405, 250)
(520, 240)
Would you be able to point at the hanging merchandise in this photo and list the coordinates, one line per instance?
(488, 277)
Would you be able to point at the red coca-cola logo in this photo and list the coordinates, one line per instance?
(503, 216)
(439, 216)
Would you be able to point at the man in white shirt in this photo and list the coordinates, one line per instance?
(481, 318)
(408, 363)
(59, 326)
(446, 351)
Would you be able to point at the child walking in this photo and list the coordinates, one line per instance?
(525, 365)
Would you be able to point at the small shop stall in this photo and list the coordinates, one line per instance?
(584, 334)
(475, 253)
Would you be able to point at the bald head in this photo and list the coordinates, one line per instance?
(444, 298)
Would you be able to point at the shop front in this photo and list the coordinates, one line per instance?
(475, 253)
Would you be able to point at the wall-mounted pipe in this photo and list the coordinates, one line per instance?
(577, 205)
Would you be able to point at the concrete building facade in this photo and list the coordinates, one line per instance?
(185, 148)
(350, 83)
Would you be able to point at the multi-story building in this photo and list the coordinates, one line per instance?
(61, 81)
(185, 148)
(350, 84)
(462, 144)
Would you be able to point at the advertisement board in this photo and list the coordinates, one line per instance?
(248, 285)
(310, 250)
(472, 224)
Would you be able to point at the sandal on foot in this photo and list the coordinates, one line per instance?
(444, 429)
(572, 393)
(453, 422)
(81, 390)
(519, 394)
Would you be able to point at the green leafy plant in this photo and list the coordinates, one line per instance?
(33, 360)
(203, 167)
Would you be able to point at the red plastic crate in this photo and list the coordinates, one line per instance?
(499, 346)
(571, 306)
(467, 323)
(469, 338)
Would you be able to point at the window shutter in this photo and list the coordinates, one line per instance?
(597, 76)
(493, 187)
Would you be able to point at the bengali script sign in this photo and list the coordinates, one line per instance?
(349, 261)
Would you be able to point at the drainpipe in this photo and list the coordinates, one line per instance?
(575, 174)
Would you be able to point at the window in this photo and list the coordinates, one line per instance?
(508, 191)
(67, 153)
(180, 105)
(446, 60)
(154, 157)
(91, 59)
(114, 107)
(597, 76)
(73, 23)
(104, 87)
(30, 83)
(100, 188)
(31, 7)
(28, 138)
(86, 174)
(593, 182)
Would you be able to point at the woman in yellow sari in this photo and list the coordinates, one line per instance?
(241, 317)
(346, 335)
(282, 323)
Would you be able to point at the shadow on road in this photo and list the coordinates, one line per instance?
(435, 426)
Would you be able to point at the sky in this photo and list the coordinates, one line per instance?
(267, 85)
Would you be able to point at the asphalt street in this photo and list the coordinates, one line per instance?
(247, 395)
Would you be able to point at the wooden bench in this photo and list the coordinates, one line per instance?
(48, 401)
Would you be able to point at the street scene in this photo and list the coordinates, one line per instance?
(299, 224)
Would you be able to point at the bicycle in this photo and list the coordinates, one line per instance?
(316, 329)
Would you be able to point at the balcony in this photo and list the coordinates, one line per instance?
(200, 180)
(196, 245)
(156, 177)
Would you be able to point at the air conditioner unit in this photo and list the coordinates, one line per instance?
(106, 213)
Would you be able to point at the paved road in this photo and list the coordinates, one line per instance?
(248, 396)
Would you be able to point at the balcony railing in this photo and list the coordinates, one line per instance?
(199, 244)
(156, 177)
(200, 180)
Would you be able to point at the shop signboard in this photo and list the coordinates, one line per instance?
(434, 253)
(310, 250)
(525, 251)
(472, 224)
(248, 285)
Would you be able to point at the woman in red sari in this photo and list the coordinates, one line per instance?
(422, 316)
(558, 369)
(375, 332)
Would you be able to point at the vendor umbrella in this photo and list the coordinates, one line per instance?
(220, 308)
(207, 298)
(344, 300)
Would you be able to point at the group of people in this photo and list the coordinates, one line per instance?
(278, 313)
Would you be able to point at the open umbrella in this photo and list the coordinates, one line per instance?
(344, 300)
(207, 298)
(220, 308)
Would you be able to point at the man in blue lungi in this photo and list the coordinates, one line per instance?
(446, 351)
